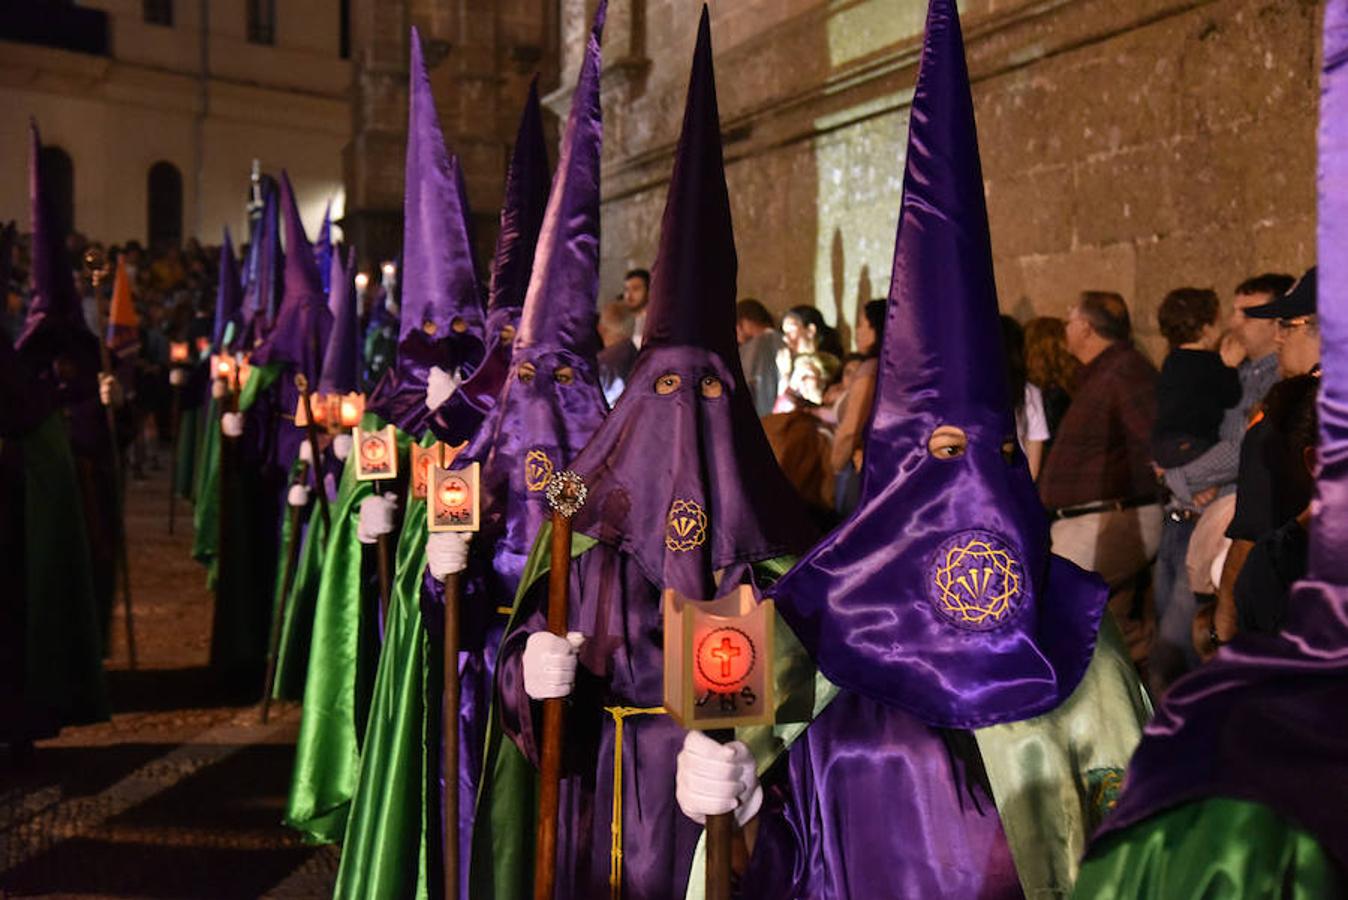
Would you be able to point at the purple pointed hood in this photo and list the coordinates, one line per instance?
(938, 594)
(323, 251)
(526, 197)
(228, 299)
(680, 474)
(262, 274)
(55, 324)
(1264, 721)
(303, 323)
(341, 361)
(440, 314)
(540, 421)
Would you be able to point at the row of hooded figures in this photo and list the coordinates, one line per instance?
(663, 681)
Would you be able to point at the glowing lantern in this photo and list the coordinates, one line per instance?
(222, 365)
(179, 352)
(376, 454)
(350, 409)
(203, 344)
(454, 493)
(718, 660)
(362, 281)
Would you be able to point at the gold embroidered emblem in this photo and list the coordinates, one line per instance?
(686, 526)
(977, 581)
(537, 470)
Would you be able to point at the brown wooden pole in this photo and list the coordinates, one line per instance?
(720, 841)
(302, 384)
(119, 537)
(449, 714)
(550, 763)
(278, 613)
(174, 411)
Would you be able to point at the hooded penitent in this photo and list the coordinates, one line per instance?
(938, 594)
(59, 349)
(682, 487)
(228, 300)
(441, 317)
(1249, 753)
(937, 605)
(261, 274)
(526, 196)
(547, 407)
(341, 359)
(296, 343)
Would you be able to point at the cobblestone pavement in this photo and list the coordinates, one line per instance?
(181, 794)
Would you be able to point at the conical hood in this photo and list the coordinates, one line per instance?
(939, 595)
(692, 295)
(680, 474)
(24, 400)
(303, 322)
(262, 273)
(323, 251)
(526, 199)
(440, 300)
(341, 362)
(439, 281)
(123, 333)
(566, 268)
(228, 294)
(539, 419)
(55, 322)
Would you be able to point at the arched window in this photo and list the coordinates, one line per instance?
(164, 204)
(58, 176)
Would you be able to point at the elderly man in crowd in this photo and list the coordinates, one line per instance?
(1097, 482)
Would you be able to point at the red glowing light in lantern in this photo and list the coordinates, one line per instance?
(350, 409)
(724, 658)
(179, 351)
(373, 450)
(454, 493)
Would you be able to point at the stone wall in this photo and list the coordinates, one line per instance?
(1133, 146)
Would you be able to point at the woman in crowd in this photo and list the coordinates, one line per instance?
(1026, 399)
(1049, 367)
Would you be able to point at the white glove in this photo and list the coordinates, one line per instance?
(298, 495)
(446, 553)
(231, 423)
(439, 386)
(109, 391)
(306, 452)
(341, 446)
(177, 377)
(219, 388)
(376, 517)
(713, 778)
(550, 664)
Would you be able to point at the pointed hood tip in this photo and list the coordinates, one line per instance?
(693, 281)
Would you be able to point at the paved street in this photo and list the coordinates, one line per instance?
(181, 794)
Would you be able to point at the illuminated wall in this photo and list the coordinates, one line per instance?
(285, 104)
(1134, 147)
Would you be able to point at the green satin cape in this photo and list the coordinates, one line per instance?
(1055, 776)
(63, 655)
(1211, 849)
(384, 854)
(297, 622)
(340, 673)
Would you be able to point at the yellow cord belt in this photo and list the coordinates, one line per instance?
(615, 855)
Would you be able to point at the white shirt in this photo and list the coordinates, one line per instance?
(1031, 423)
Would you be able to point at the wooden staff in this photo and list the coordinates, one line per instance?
(278, 614)
(449, 715)
(720, 841)
(96, 265)
(302, 384)
(174, 411)
(566, 494)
